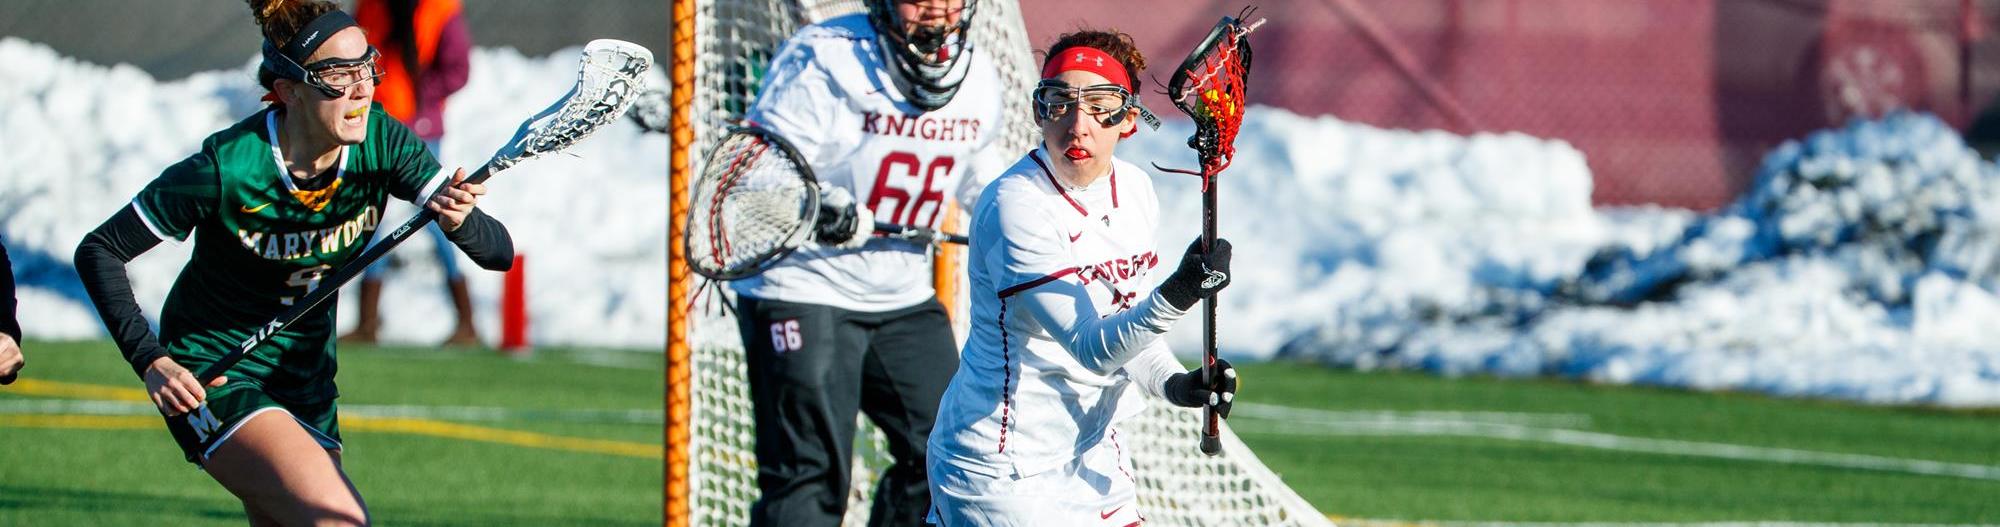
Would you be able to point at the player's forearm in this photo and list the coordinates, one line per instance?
(8, 323)
(100, 263)
(1101, 344)
(1153, 367)
(485, 240)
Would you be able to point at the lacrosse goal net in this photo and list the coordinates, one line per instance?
(721, 50)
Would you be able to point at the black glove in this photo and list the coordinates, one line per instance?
(1199, 276)
(840, 221)
(1185, 389)
(652, 111)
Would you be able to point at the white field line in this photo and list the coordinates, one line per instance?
(1303, 422)
(609, 358)
(447, 413)
(1369, 522)
(626, 360)
(1287, 413)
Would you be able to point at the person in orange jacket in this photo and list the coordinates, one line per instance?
(425, 56)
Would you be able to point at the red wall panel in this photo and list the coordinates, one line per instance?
(1672, 101)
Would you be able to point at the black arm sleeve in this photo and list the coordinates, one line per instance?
(485, 240)
(100, 262)
(8, 323)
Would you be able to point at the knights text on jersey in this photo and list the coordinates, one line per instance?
(1022, 402)
(830, 93)
(260, 242)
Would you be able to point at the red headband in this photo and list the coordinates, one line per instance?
(1089, 59)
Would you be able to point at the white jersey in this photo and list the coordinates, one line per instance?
(831, 93)
(1065, 319)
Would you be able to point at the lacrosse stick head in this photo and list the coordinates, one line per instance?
(755, 202)
(611, 76)
(1209, 87)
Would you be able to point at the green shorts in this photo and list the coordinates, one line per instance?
(232, 404)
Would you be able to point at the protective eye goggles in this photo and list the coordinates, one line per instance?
(334, 76)
(331, 77)
(1107, 102)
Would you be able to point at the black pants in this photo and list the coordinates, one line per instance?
(811, 368)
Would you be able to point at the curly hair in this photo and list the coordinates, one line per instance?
(280, 20)
(1114, 42)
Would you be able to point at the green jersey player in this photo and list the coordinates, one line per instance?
(273, 204)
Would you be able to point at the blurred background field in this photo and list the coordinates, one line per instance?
(1403, 448)
(570, 437)
(431, 437)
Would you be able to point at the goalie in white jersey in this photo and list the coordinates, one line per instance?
(1066, 322)
(895, 111)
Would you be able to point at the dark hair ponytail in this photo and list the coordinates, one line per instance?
(280, 20)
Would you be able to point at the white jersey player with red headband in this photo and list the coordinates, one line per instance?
(1067, 320)
(896, 112)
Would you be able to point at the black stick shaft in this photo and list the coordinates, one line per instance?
(329, 287)
(892, 229)
(1211, 430)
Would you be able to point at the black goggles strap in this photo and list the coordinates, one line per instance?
(289, 61)
(309, 38)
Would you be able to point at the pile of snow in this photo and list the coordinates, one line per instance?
(1361, 231)
(1861, 266)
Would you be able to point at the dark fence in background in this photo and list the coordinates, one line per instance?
(174, 38)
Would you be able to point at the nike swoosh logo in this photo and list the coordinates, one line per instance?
(1106, 515)
(1073, 237)
(253, 210)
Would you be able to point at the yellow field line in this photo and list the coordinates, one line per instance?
(433, 428)
(93, 392)
(412, 426)
(99, 422)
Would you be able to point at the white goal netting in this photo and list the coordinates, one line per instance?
(733, 43)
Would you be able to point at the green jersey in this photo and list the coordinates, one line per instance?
(260, 242)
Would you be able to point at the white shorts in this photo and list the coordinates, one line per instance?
(1094, 489)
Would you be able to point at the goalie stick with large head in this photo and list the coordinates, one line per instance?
(1209, 88)
(756, 202)
(609, 78)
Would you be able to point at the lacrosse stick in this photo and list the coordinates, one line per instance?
(755, 202)
(1209, 88)
(606, 84)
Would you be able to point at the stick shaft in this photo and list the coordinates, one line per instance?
(883, 227)
(329, 287)
(1211, 430)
